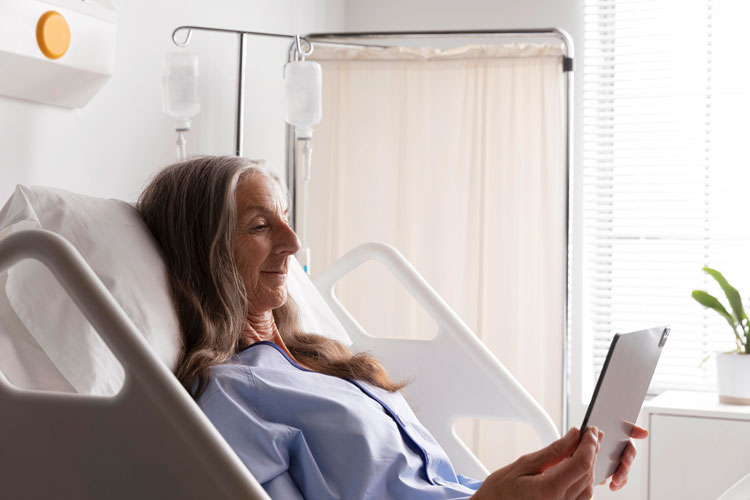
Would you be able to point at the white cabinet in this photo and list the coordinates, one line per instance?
(697, 448)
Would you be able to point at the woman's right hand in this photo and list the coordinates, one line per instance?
(551, 473)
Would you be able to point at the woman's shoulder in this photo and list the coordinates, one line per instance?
(232, 379)
(258, 355)
(237, 376)
(229, 381)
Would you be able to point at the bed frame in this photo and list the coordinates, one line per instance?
(152, 441)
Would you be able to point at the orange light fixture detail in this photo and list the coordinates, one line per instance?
(53, 34)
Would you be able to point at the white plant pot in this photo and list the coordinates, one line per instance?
(733, 370)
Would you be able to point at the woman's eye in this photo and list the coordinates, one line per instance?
(259, 228)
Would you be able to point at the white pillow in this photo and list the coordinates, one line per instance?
(118, 246)
(314, 313)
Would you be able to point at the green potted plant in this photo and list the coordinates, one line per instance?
(733, 368)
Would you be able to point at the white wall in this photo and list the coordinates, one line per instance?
(111, 146)
(363, 15)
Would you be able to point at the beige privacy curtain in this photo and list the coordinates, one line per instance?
(457, 159)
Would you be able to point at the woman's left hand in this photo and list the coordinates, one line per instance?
(620, 477)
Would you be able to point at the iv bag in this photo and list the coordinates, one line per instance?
(180, 98)
(303, 82)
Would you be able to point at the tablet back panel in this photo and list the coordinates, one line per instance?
(620, 392)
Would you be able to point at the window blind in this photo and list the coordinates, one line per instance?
(666, 175)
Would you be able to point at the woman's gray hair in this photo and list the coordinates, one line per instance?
(191, 211)
(190, 208)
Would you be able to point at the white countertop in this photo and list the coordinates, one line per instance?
(695, 404)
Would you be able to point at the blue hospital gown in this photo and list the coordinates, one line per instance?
(307, 435)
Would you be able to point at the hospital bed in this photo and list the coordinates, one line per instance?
(151, 440)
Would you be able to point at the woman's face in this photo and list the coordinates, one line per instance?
(264, 242)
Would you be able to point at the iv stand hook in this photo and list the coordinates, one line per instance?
(304, 53)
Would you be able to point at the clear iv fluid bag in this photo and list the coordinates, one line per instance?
(180, 98)
(303, 82)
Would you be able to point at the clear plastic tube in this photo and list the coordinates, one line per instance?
(307, 166)
(181, 149)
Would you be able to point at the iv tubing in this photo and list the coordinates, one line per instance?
(307, 164)
(181, 150)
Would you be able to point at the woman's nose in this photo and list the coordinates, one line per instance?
(288, 243)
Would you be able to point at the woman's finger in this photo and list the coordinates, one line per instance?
(620, 477)
(628, 455)
(639, 432)
(586, 495)
(541, 460)
(620, 486)
(579, 487)
(570, 470)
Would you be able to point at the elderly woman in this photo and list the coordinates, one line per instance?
(307, 417)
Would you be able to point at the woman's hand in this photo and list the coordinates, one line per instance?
(551, 473)
(620, 477)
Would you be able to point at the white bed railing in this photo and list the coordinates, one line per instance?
(739, 491)
(148, 441)
(453, 375)
(152, 441)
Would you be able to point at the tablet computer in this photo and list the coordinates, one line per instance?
(620, 391)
